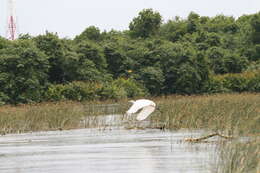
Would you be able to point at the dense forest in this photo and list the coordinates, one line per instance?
(196, 55)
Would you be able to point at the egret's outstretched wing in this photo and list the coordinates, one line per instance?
(134, 108)
(146, 111)
(139, 104)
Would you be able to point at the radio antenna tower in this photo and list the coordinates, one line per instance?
(11, 21)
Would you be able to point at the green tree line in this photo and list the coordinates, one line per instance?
(195, 55)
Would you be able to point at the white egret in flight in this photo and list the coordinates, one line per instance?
(146, 106)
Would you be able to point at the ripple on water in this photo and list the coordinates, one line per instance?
(110, 151)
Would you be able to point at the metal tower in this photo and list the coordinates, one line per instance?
(11, 32)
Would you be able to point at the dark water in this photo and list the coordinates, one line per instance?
(105, 151)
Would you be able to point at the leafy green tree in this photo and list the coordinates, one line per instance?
(53, 47)
(93, 52)
(185, 70)
(114, 36)
(23, 72)
(193, 22)
(221, 24)
(173, 30)
(90, 33)
(212, 39)
(118, 62)
(235, 63)
(130, 86)
(183, 56)
(121, 53)
(217, 64)
(149, 53)
(152, 78)
(25, 37)
(223, 61)
(146, 53)
(146, 24)
(4, 43)
(255, 23)
(244, 37)
(79, 68)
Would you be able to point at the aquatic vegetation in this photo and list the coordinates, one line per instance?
(239, 157)
(48, 116)
(223, 113)
(234, 115)
(226, 113)
(55, 116)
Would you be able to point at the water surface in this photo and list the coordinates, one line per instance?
(111, 151)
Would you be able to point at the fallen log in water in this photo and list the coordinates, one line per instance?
(207, 137)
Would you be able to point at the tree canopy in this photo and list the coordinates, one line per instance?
(195, 55)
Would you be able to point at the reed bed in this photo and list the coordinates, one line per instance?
(231, 114)
(55, 116)
(234, 115)
(239, 157)
(40, 117)
(222, 113)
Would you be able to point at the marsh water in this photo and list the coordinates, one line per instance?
(105, 150)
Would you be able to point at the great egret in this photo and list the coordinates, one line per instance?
(146, 106)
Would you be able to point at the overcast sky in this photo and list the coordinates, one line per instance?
(70, 17)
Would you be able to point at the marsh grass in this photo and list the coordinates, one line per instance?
(55, 116)
(232, 114)
(47, 116)
(235, 115)
(239, 157)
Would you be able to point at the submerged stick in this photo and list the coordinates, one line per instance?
(207, 137)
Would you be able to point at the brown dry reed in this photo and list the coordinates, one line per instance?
(231, 114)
(222, 113)
(238, 157)
(53, 116)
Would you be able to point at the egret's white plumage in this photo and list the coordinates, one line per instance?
(146, 106)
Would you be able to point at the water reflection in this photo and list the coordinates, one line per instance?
(111, 151)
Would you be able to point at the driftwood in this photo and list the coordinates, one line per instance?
(207, 137)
